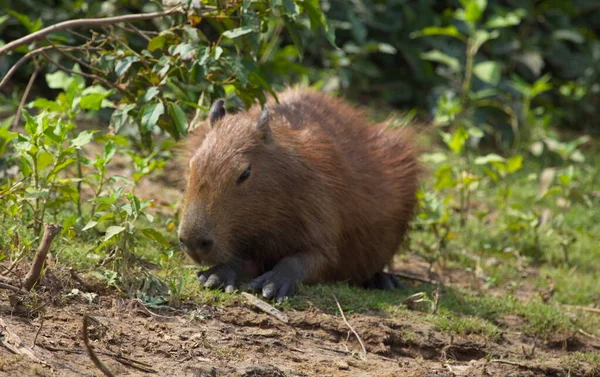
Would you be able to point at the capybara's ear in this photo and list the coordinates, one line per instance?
(263, 124)
(217, 112)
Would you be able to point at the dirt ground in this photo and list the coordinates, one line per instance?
(203, 341)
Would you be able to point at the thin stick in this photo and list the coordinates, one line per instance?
(17, 118)
(50, 231)
(265, 307)
(349, 326)
(415, 277)
(38, 332)
(510, 363)
(12, 288)
(140, 365)
(584, 308)
(76, 59)
(89, 22)
(90, 351)
(20, 62)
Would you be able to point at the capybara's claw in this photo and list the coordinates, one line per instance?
(220, 275)
(275, 285)
(382, 280)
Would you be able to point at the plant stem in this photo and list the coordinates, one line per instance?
(466, 87)
(80, 176)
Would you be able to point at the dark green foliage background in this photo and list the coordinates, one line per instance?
(379, 60)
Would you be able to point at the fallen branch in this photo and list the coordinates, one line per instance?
(50, 231)
(584, 308)
(350, 326)
(83, 22)
(90, 350)
(13, 288)
(262, 305)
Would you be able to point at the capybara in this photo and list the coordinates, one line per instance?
(306, 190)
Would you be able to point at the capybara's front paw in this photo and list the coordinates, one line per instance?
(275, 284)
(382, 280)
(220, 275)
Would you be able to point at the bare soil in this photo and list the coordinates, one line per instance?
(240, 340)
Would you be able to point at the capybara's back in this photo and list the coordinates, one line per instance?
(308, 190)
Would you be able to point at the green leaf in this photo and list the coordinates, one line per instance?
(387, 48)
(444, 177)
(89, 225)
(488, 71)
(450, 31)
(150, 93)
(488, 159)
(59, 80)
(156, 236)
(181, 123)
(92, 101)
(124, 64)
(317, 19)
(218, 52)
(473, 10)
(568, 35)
(482, 36)
(31, 26)
(46, 104)
(112, 231)
(440, 57)
(156, 43)
(7, 135)
(82, 139)
(514, 163)
(150, 114)
(44, 159)
(457, 140)
(62, 165)
(513, 18)
(238, 32)
(3, 19)
(109, 151)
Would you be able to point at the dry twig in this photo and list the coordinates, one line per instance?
(89, 22)
(584, 308)
(139, 365)
(350, 326)
(17, 118)
(38, 332)
(90, 350)
(50, 231)
(13, 288)
(262, 305)
(417, 278)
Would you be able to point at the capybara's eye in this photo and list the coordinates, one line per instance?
(244, 175)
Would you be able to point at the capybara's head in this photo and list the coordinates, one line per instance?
(229, 174)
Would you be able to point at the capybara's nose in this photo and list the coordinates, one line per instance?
(203, 244)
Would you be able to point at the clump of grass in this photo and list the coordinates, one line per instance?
(463, 325)
(584, 363)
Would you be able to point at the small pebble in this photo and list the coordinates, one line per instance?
(343, 365)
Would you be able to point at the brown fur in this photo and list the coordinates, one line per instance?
(325, 184)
